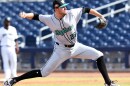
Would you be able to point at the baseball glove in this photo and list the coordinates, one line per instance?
(101, 23)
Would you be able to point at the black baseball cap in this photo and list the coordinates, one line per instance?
(8, 19)
(61, 3)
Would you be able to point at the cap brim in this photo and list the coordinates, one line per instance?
(8, 19)
(64, 5)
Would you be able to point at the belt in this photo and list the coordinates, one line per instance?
(69, 46)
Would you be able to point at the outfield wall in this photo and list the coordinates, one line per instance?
(116, 59)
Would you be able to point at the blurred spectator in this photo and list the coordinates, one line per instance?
(9, 48)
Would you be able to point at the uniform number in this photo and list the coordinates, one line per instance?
(72, 36)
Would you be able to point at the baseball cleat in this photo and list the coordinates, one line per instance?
(112, 84)
(9, 82)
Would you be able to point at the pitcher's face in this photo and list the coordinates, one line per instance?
(62, 10)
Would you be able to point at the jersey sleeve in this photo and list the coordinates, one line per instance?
(77, 13)
(44, 18)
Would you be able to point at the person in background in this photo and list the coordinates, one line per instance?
(9, 48)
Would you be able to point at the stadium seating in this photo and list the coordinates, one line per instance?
(116, 34)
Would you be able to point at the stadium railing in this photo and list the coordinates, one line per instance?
(113, 12)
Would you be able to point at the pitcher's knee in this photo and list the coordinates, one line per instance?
(44, 73)
(99, 54)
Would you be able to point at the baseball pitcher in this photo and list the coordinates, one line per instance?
(63, 23)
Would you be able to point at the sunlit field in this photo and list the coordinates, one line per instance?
(75, 79)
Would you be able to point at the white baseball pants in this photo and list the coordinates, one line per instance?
(9, 58)
(62, 53)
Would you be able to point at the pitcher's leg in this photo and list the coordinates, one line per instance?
(86, 52)
(92, 53)
(102, 68)
(54, 61)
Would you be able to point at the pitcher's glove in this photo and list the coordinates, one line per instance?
(101, 23)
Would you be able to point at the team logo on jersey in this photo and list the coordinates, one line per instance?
(64, 30)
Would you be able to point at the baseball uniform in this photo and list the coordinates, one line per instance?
(65, 36)
(7, 43)
(63, 24)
